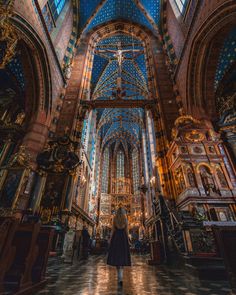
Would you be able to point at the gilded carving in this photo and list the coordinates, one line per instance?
(184, 120)
(22, 158)
(195, 136)
(7, 33)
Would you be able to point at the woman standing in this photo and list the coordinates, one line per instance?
(119, 254)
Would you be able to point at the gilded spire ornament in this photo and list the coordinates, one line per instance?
(8, 35)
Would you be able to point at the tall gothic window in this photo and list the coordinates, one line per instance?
(180, 4)
(120, 171)
(135, 171)
(151, 147)
(179, 7)
(56, 7)
(84, 134)
(51, 11)
(105, 171)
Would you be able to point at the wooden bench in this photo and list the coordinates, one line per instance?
(18, 277)
(8, 227)
(44, 244)
(24, 251)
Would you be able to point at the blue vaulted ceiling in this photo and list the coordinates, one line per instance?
(119, 124)
(97, 12)
(153, 8)
(105, 68)
(227, 56)
(87, 8)
(122, 125)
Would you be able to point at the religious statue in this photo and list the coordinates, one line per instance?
(67, 71)
(119, 54)
(207, 181)
(191, 178)
(179, 180)
(68, 245)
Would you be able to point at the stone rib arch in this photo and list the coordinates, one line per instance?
(212, 30)
(39, 90)
(108, 30)
(41, 62)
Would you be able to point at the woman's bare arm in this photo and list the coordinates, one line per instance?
(127, 229)
(113, 228)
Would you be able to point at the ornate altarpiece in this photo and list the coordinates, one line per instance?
(201, 170)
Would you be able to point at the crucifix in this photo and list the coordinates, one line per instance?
(119, 54)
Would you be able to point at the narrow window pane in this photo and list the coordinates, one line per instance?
(105, 171)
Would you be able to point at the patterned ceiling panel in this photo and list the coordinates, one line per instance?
(99, 64)
(119, 9)
(121, 123)
(110, 75)
(120, 38)
(16, 69)
(106, 68)
(87, 8)
(227, 56)
(153, 8)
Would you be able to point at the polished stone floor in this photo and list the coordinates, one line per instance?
(94, 277)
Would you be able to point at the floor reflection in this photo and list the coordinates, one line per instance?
(94, 277)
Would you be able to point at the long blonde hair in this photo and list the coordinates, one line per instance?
(120, 220)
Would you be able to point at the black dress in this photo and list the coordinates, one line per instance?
(119, 254)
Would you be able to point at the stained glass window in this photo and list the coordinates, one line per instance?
(48, 18)
(105, 171)
(135, 171)
(84, 134)
(151, 146)
(181, 4)
(56, 7)
(51, 12)
(120, 171)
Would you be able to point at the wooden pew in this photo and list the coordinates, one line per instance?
(24, 251)
(44, 244)
(8, 227)
(19, 275)
(226, 242)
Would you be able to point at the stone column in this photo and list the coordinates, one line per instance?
(36, 136)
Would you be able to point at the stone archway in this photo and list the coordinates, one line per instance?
(39, 89)
(25, 130)
(203, 61)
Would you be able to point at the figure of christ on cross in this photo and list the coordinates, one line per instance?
(119, 54)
